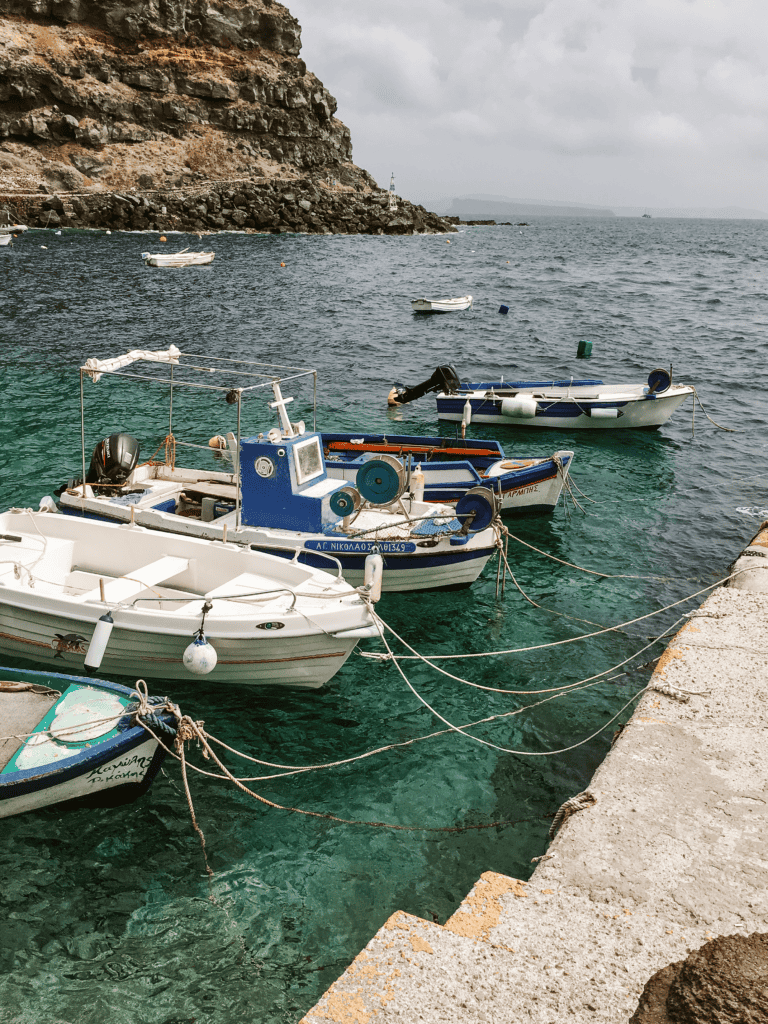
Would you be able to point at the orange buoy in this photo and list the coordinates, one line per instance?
(218, 442)
(447, 241)
(163, 238)
(282, 264)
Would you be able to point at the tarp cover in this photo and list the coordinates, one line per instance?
(95, 367)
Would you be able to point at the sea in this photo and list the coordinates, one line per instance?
(109, 914)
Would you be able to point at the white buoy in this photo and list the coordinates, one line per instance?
(99, 641)
(47, 504)
(374, 572)
(466, 416)
(200, 657)
(417, 483)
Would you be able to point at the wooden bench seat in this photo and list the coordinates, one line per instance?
(133, 583)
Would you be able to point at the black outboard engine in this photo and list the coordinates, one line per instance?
(113, 460)
(444, 378)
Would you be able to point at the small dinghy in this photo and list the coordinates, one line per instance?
(69, 738)
(6, 239)
(177, 259)
(132, 600)
(443, 469)
(564, 404)
(441, 305)
(279, 496)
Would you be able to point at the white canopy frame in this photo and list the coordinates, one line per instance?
(255, 375)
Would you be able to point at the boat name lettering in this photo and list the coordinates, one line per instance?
(129, 768)
(362, 547)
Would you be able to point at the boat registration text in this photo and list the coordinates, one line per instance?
(362, 547)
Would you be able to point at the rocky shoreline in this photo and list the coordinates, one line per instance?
(275, 206)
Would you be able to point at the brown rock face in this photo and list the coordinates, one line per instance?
(186, 93)
(724, 982)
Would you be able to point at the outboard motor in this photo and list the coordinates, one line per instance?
(113, 460)
(444, 378)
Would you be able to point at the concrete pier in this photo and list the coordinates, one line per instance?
(672, 853)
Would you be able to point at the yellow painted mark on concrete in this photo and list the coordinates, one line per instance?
(481, 910)
(420, 945)
(343, 1008)
(760, 540)
(671, 654)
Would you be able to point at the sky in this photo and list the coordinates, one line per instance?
(658, 103)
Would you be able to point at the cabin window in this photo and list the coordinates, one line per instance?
(308, 460)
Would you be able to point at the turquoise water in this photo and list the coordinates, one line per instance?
(108, 914)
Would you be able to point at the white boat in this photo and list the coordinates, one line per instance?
(6, 239)
(284, 501)
(441, 305)
(177, 259)
(155, 595)
(69, 738)
(564, 404)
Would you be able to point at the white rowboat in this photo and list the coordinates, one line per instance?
(268, 619)
(177, 259)
(441, 305)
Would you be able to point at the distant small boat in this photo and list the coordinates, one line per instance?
(441, 305)
(6, 239)
(177, 259)
(647, 216)
(73, 739)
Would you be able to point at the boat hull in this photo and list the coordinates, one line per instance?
(441, 305)
(306, 661)
(567, 413)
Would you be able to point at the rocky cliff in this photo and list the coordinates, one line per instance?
(176, 114)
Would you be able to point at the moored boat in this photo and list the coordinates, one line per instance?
(450, 467)
(69, 738)
(177, 259)
(79, 592)
(565, 404)
(279, 496)
(426, 305)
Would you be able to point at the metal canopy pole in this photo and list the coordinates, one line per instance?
(82, 427)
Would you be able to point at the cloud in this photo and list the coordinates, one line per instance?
(586, 89)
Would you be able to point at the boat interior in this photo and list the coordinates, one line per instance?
(21, 711)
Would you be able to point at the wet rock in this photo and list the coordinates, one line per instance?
(724, 982)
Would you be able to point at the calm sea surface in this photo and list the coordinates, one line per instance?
(107, 914)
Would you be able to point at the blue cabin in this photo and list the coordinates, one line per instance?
(284, 484)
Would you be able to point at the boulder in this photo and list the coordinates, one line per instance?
(62, 178)
(724, 982)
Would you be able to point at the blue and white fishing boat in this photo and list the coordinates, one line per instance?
(68, 738)
(446, 468)
(279, 498)
(564, 404)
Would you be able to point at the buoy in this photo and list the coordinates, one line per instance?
(417, 484)
(282, 264)
(98, 644)
(57, 232)
(200, 657)
(584, 350)
(43, 246)
(373, 574)
(504, 309)
(217, 442)
(107, 232)
(598, 413)
(163, 238)
(520, 407)
(447, 241)
(47, 504)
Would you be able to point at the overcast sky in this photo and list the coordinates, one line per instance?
(617, 102)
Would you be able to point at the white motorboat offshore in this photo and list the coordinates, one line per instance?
(177, 259)
(131, 600)
(450, 467)
(564, 404)
(278, 496)
(70, 738)
(5, 238)
(441, 305)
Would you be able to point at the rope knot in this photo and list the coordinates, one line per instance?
(577, 803)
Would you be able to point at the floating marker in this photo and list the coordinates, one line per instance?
(584, 350)
(98, 644)
(200, 657)
(504, 309)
